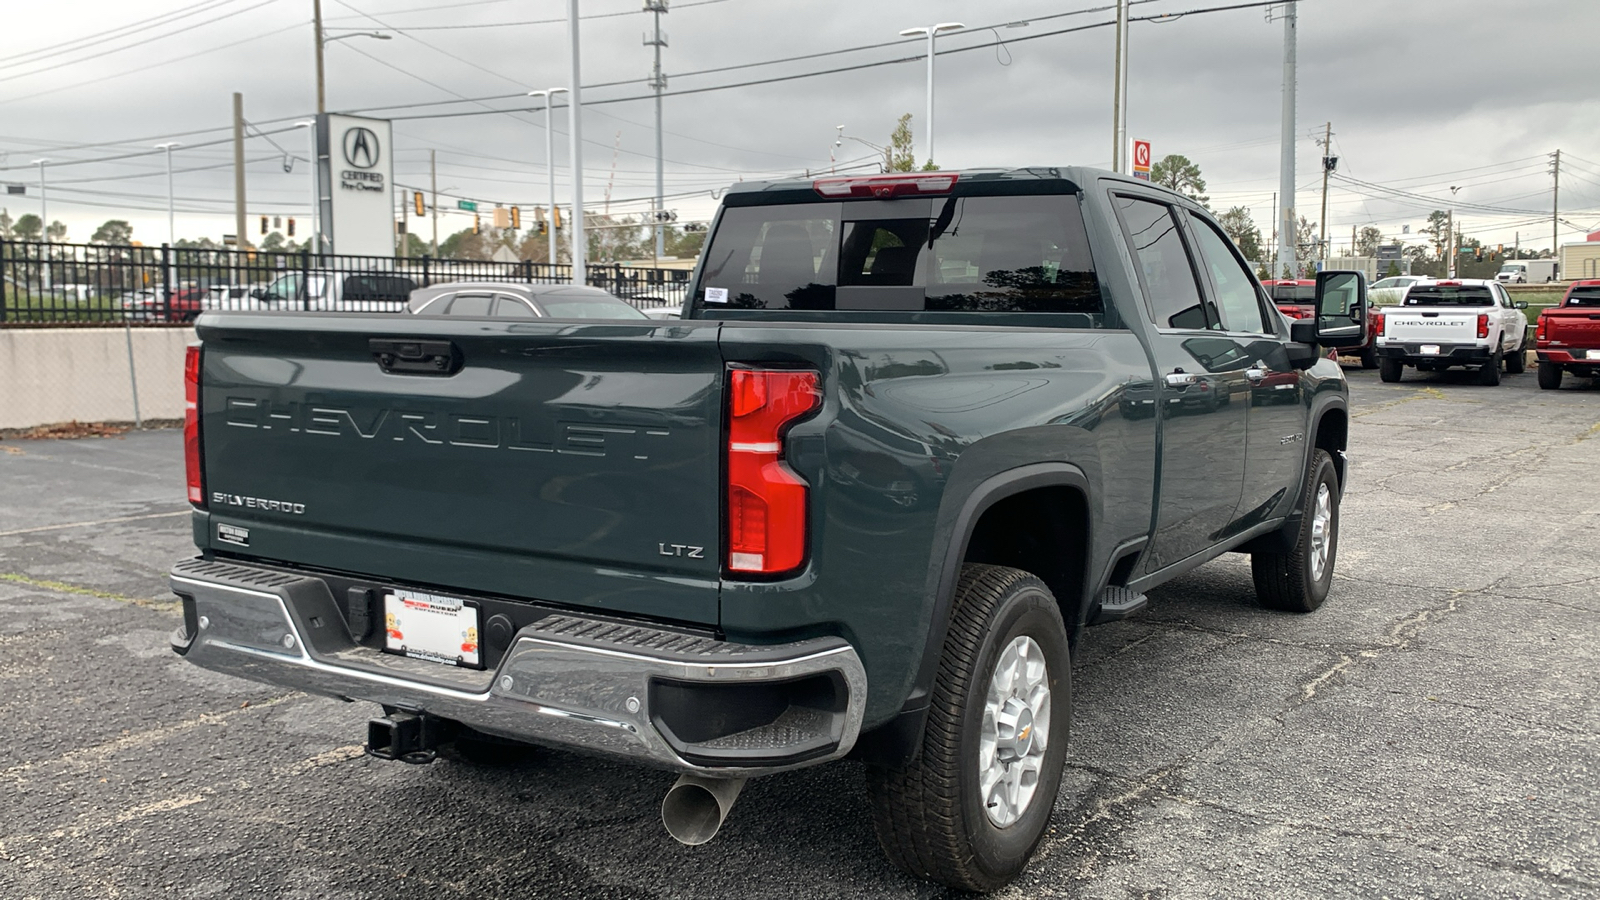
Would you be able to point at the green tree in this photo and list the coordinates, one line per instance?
(1438, 231)
(116, 232)
(684, 244)
(58, 231)
(414, 246)
(1368, 241)
(1305, 239)
(27, 228)
(901, 155)
(1239, 226)
(1175, 172)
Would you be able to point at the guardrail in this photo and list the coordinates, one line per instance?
(88, 284)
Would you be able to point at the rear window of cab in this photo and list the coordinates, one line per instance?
(1449, 295)
(943, 255)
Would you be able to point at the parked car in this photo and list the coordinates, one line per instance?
(325, 291)
(1392, 291)
(1567, 337)
(1527, 271)
(1467, 322)
(184, 305)
(518, 301)
(863, 500)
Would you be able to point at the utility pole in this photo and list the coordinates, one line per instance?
(316, 17)
(1556, 213)
(433, 185)
(575, 140)
(658, 82)
(1118, 146)
(1450, 245)
(1327, 169)
(44, 225)
(1286, 222)
(403, 239)
(240, 238)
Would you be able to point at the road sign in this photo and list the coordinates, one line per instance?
(467, 205)
(1141, 159)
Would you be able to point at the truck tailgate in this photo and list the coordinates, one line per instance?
(569, 463)
(1573, 328)
(1406, 326)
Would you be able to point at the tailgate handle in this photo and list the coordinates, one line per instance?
(1430, 315)
(409, 356)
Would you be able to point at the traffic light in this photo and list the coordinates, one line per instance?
(263, 224)
(502, 218)
(1478, 255)
(416, 201)
(555, 214)
(516, 218)
(477, 226)
(291, 227)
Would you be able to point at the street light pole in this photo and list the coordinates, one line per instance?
(172, 229)
(658, 82)
(1451, 246)
(931, 31)
(316, 18)
(44, 224)
(315, 237)
(575, 140)
(549, 95)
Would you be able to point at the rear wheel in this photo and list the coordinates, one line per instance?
(1297, 580)
(970, 809)
(1517, 360)
(1549, 376)
(1490, 373)
(1389, 369)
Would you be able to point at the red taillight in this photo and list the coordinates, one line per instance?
(191, 425)
(1483, 325)
(766, 500)
(1539, 328)
(1377, 324)
(886, 186)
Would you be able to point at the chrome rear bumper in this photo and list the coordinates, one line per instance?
(584, 684)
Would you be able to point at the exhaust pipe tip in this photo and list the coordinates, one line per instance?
(695, 807)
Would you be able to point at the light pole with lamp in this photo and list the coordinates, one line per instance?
(44, 223)
(550, 159)
(931, 31)
(842, 137)
(575, 147)
(323, 40)
(172, 229)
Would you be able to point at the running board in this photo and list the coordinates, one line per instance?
(1117, 603)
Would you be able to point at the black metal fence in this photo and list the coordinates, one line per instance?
(86, 284)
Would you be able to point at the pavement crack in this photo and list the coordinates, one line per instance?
(64, 588)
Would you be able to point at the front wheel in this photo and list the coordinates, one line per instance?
(1369, 358)
(1297, 580)
(1389, 370)
(969, 811)
(1549, 376)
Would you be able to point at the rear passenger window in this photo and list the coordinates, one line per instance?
(1237, 297)
(470, 305)
(512, 308)
(1169, 282)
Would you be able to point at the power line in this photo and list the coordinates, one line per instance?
(49, 50)
(561, 21)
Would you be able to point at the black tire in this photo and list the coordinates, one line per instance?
(929, 816)
(1369, 358)
(1389, 370)
(1286, 580)
(1517, 361)
(1549, 376)
(1489, 373)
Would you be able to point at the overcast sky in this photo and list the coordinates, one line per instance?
(1422, 95)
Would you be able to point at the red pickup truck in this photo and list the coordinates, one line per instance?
(1567, 337)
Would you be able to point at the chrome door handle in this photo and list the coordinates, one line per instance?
(1180, 378)
(1255, 374)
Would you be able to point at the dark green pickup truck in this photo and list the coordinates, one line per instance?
(912, 434)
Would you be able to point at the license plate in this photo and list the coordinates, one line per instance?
(1430, 349)
(432, 627)
(1594, 354)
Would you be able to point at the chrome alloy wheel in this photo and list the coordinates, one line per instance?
(1016, 731)
(1321, 531)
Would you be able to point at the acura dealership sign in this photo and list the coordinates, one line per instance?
(355, 181)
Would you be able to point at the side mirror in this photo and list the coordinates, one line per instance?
(1520, 304)
(257, 294)
(1341, 308)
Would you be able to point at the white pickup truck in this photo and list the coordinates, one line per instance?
(1468, 322)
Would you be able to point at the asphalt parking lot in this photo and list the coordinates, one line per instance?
(1431, 732)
